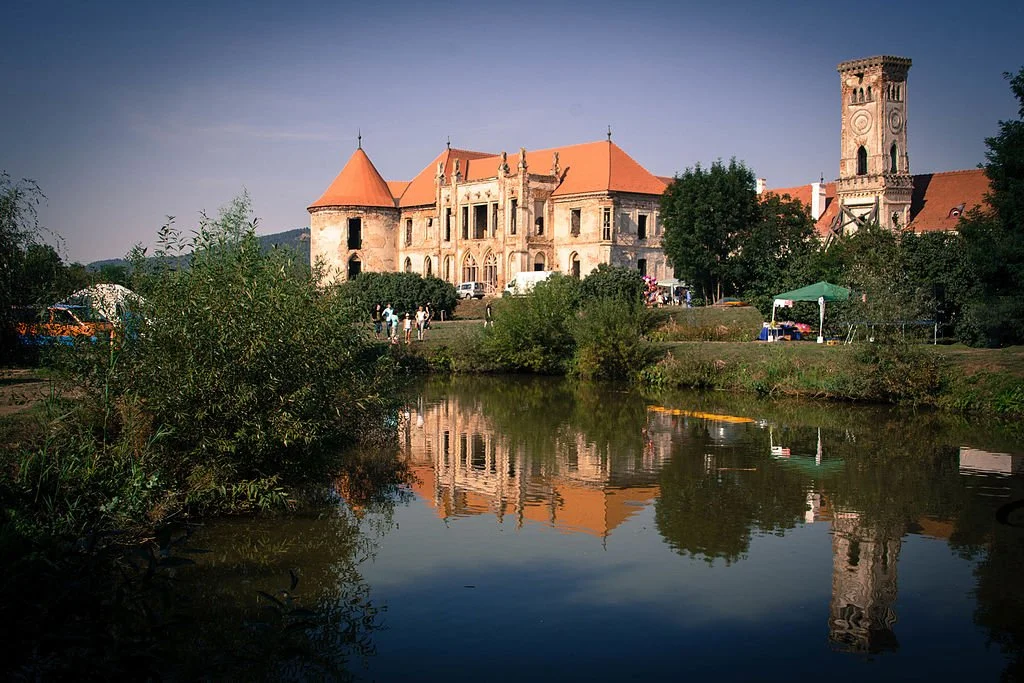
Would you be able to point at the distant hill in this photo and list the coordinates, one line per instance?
(297, 239)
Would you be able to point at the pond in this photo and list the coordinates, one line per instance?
(540, 529)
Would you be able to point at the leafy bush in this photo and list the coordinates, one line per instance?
(610, 339)
(616, 282)
(406, 291)
(535, 332)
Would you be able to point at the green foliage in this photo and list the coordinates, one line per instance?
(18, 229)
(254, 371)
(611, 340)
(608, 281)
(995, 238)
(406, 291)
(704, 213)
(535, 332)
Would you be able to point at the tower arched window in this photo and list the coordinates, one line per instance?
(538, 261)
(893, 154)
(869, 93)
(862, 161)
(428, 267)
(355, 266)
(408, 265)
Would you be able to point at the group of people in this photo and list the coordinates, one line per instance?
(386, 321)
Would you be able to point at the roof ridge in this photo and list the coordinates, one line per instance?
(957, 172)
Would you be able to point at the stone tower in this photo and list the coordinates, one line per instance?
(874, 170)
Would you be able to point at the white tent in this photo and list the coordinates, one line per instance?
(108, 302)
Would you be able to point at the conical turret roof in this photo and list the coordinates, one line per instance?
(358, 184)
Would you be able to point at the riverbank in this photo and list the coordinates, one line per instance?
(711, 348)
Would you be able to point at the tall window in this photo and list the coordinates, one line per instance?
(355, 266)
(469, 270)
(862, 161)
(408, 232)
(494, 219)
(892, 158)
(355, 233)
(641, 265)
(448, 268)
(408, 265)
(430, 228)
(515, 214)
(428, 267)
(606, 224)
(574, 265)
(538, 261)
(447, 227)
(538, 222)
(491, 270)
(479, 221)
(465, 222)
(641, 226)
(575, 218)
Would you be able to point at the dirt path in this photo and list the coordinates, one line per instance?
(20, 389)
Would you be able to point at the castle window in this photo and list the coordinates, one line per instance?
(408, 265)
(514, 210)
(641, 265)
(538, 261)
(355, 233)
(447, 228)
(491, 270)
(408, 232)
(538, 223)
(465, 222)
(428, 267)
(574, 265)
(494, 219)
(869, 93)
(892, 158)
(574, 222)
(479, 221)
(641, 226)
(606, 223)
(862, 161)
(448, 268)
(355, 266)
(430, 228)
(469, 269)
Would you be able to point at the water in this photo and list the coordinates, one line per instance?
(558, 532)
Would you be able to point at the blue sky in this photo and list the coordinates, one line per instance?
(126, 112)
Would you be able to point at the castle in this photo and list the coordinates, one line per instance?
(482, 217)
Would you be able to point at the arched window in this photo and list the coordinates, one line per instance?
(469, 270)
(491, 270)
(448, 268)
(408, 265)
(892, 158)
(862, 161)
(428, 267)
(513, 267)
(538, 261)
(355, 266)
(574, 265)
(869, 93)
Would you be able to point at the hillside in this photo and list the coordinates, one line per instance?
(297, 239)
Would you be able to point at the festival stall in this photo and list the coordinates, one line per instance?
(820, 292)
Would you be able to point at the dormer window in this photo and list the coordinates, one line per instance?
(956, 211)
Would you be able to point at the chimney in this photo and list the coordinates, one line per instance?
(762, 185)
(817, 199)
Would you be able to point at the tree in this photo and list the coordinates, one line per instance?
(612, 282)
(18, 228)
(704, 213)
(995, 238)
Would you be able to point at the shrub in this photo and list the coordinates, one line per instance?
(406, 291)
(617, 282)
(610, 341)
(534, 332)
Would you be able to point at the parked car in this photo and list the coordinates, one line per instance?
(62, 324)
(470, 290)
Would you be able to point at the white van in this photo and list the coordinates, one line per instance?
(523, 283)
(470, 290)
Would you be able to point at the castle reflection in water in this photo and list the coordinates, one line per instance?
(463, 465)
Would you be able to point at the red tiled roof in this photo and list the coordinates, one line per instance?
(397, 187)
(936, 203)
(940, 198)
(358, 184)
(420, 190)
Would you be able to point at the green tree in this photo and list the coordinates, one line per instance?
(616, 282)
(704, 213)
(19, 227)
(995, 238)
(535, 332)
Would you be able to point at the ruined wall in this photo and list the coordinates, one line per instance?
(329, 234)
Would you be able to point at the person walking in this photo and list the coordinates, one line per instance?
(386, 315)
(488, 316)
(377, 317)
(408, 328)
(421, 323)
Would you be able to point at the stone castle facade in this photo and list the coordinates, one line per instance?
(479, 217)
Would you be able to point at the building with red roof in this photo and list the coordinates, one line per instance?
(484, 217)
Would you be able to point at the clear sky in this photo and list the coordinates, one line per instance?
(126, 112)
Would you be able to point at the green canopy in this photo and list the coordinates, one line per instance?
(816, 291)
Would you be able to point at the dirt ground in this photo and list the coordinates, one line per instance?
(20, 389)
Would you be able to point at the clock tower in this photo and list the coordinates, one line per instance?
(874, 183)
